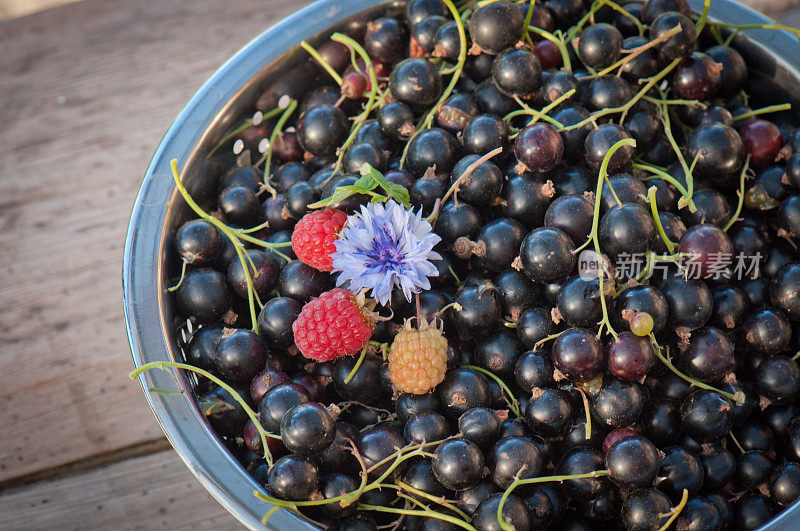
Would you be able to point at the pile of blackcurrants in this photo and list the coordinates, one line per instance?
(619, 281)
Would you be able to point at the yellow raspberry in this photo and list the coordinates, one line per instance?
(418, 359)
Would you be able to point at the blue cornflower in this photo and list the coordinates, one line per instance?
(384, 246)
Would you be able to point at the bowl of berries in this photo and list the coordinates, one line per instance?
(484, 265)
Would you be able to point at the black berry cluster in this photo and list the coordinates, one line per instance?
(609, 333)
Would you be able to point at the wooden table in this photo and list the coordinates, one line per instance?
(86, 91)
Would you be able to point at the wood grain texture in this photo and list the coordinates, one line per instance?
(87, 91)
(151, 492)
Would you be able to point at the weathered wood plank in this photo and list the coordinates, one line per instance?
(87, 91)
(152, 492)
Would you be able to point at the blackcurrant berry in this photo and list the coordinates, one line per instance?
(600, 46)
(496, 26)
(322, 129)
(517, 72)
(458, 464)
(539, 147)
(198, 242)
(293, 477)
(415, 81)
(204, 295)
(547, 255)
(632, 462)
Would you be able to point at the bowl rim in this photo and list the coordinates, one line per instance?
(143, 300)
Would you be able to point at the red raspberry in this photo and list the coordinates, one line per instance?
(418, 359)
(314, 236)
(332, 326)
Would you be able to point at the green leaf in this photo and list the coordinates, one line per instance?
(212, 406)
(395, 191)
(366, 181)
(377, 198)
(340, 194)
(370, 179)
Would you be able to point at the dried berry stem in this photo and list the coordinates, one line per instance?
(454, 187)
(631, 54)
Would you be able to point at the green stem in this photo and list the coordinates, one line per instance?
(427, 120)
(247, 124)
(513, 403)
(164, 365)
(562, 48)
(232, 235)
(668, 101)
(738, 400)
(763, 110)
(676, 511)
(537, 115)
(740, 193)
(267, 245)
(441, 500)
(625, 108)
(740, 27)
(736, 442)
(603, 177)
(531, 481)
(661, 174)
(373, 94)
(272, 139)
(671, 138)
(546, 339)
(357, 365)
(588, 429)
(703, 17)
(651, 198)
(414, 512)
(346, 499)
(180, 280)
(621, 10)
(528, 17)
(323, 63)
